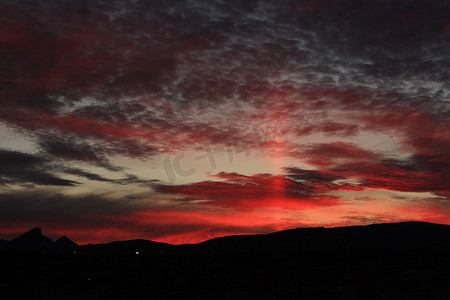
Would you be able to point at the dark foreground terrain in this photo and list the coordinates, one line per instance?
(385, 261)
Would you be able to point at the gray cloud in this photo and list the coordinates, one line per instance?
(88, 80)
(318, 57)
(22, 168)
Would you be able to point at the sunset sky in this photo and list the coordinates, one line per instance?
(180, 121)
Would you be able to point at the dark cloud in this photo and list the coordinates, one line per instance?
(88, 175)
(310, 175)
(73, 149)
(393, 175)
(17, 168)
(133, 179)
(55, 207)
(151, 81)
(325, 154)
(389, 174)
(22, 168)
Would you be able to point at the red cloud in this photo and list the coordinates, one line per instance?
(261, 190)
(326, 154)
(393, 176)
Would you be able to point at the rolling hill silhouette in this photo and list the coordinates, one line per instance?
(407, 260)
(413, 235)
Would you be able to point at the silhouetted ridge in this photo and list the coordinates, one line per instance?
(64, 243)
(37, 231)
(32, 240)
(410, 235)
(131, 247)
(395, 261)
(405, 235)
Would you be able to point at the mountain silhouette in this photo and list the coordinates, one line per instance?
(64, 244)
(411, 235)
(408, 260)
(4, 244)
(32, 240)
(131, 247)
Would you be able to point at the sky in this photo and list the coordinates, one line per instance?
(181, 121)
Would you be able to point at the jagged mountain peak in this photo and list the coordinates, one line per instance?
(65, 242)
(35, 232)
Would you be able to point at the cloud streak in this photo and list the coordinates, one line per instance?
(332, 99)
